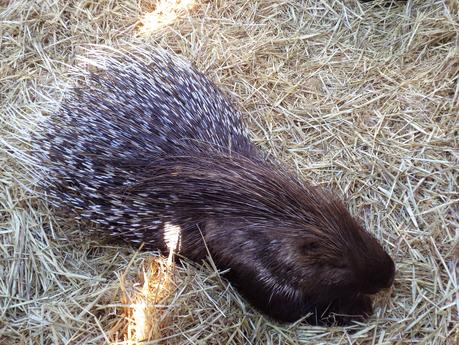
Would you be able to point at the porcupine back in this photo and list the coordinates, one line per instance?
(130, 109)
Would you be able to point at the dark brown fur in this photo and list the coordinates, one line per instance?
(273, 231)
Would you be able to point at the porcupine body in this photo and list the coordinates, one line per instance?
(146, 144)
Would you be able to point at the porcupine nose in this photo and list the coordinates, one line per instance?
(381, 278)
(387, 272)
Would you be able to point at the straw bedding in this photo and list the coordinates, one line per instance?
(363, 97)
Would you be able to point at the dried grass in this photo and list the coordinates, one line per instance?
(362, 97)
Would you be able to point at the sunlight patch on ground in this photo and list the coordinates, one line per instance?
(165, 13)
(144, 312)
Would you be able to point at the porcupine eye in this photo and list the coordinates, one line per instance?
(309, 246)
(338, 264)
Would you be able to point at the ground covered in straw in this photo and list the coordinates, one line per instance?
(359, 96)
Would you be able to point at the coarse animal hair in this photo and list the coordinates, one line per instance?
(146, 143)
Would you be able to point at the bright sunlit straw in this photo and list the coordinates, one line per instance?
(166, 12)
(143, 315)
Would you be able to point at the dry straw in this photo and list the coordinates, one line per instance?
(363, 97)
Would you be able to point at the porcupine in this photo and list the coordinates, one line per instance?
(146, 143)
